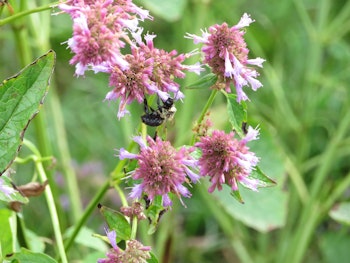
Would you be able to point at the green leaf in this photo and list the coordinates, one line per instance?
(86, 238)
(264, 181)
(116, 221)
(14, 196)
(334, 247)
(154, 212)
(36, 243)
(20, 100)
(27, 256)
(7, 232)
(204, 82)
(262, 177)
(168, 10)
(264, 210)
(341, 213)
(237, 196)
(271, 161)
(237, 113)
(153, 259)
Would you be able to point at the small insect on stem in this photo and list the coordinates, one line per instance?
(165, 111)
(244, 128)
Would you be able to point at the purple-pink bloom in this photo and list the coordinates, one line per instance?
(162, 169)
(227, 160)
(100, 30)
(150, 70)
(226, 52)
(134, 251)
(6, 190)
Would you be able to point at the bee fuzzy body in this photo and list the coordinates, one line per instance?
(164, 112)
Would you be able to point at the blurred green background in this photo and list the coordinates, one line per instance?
(302, 110)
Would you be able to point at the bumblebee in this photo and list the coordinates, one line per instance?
(165, 111)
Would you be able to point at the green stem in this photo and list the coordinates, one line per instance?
(297, 179)
(327, 160)
(311, 214)
(204, 111)
(88, 211)
(50, 200)
(26, 12)
(305, 231)
(121, 195)
(22, 237)
(64, 153)
(44, 147)
(133, 227)
(93, 203)
(337, 192)
(226, 225)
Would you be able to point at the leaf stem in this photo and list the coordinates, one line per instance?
(88, 210)
(121, 195)
(27, 12)
(64, 155)
(50, 200)
(204, 111)
(337, 192)
(134, 224)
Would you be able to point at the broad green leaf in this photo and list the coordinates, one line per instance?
(36, 243)
(116, 221)
(7, 231)
(153, 259)
(264, 210)
(20, 99)
(86, 238)
(271, 162)
(341, 213)
(27, 256)
(5, 182)
(334, 247)
(205, 82)
(168, 10)
(237, 113)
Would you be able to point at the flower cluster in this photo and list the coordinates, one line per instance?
(134, 251)
(227, 160)
(136, 209)
(150, 70)
(162, 169)
(100, 29)
(226, 52)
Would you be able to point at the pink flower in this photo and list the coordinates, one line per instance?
(150, 70)
(134, 251)
(162, 169)
(100, 30)
(227, 160)
(226, 52)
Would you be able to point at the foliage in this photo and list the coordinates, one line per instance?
(302, 112)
